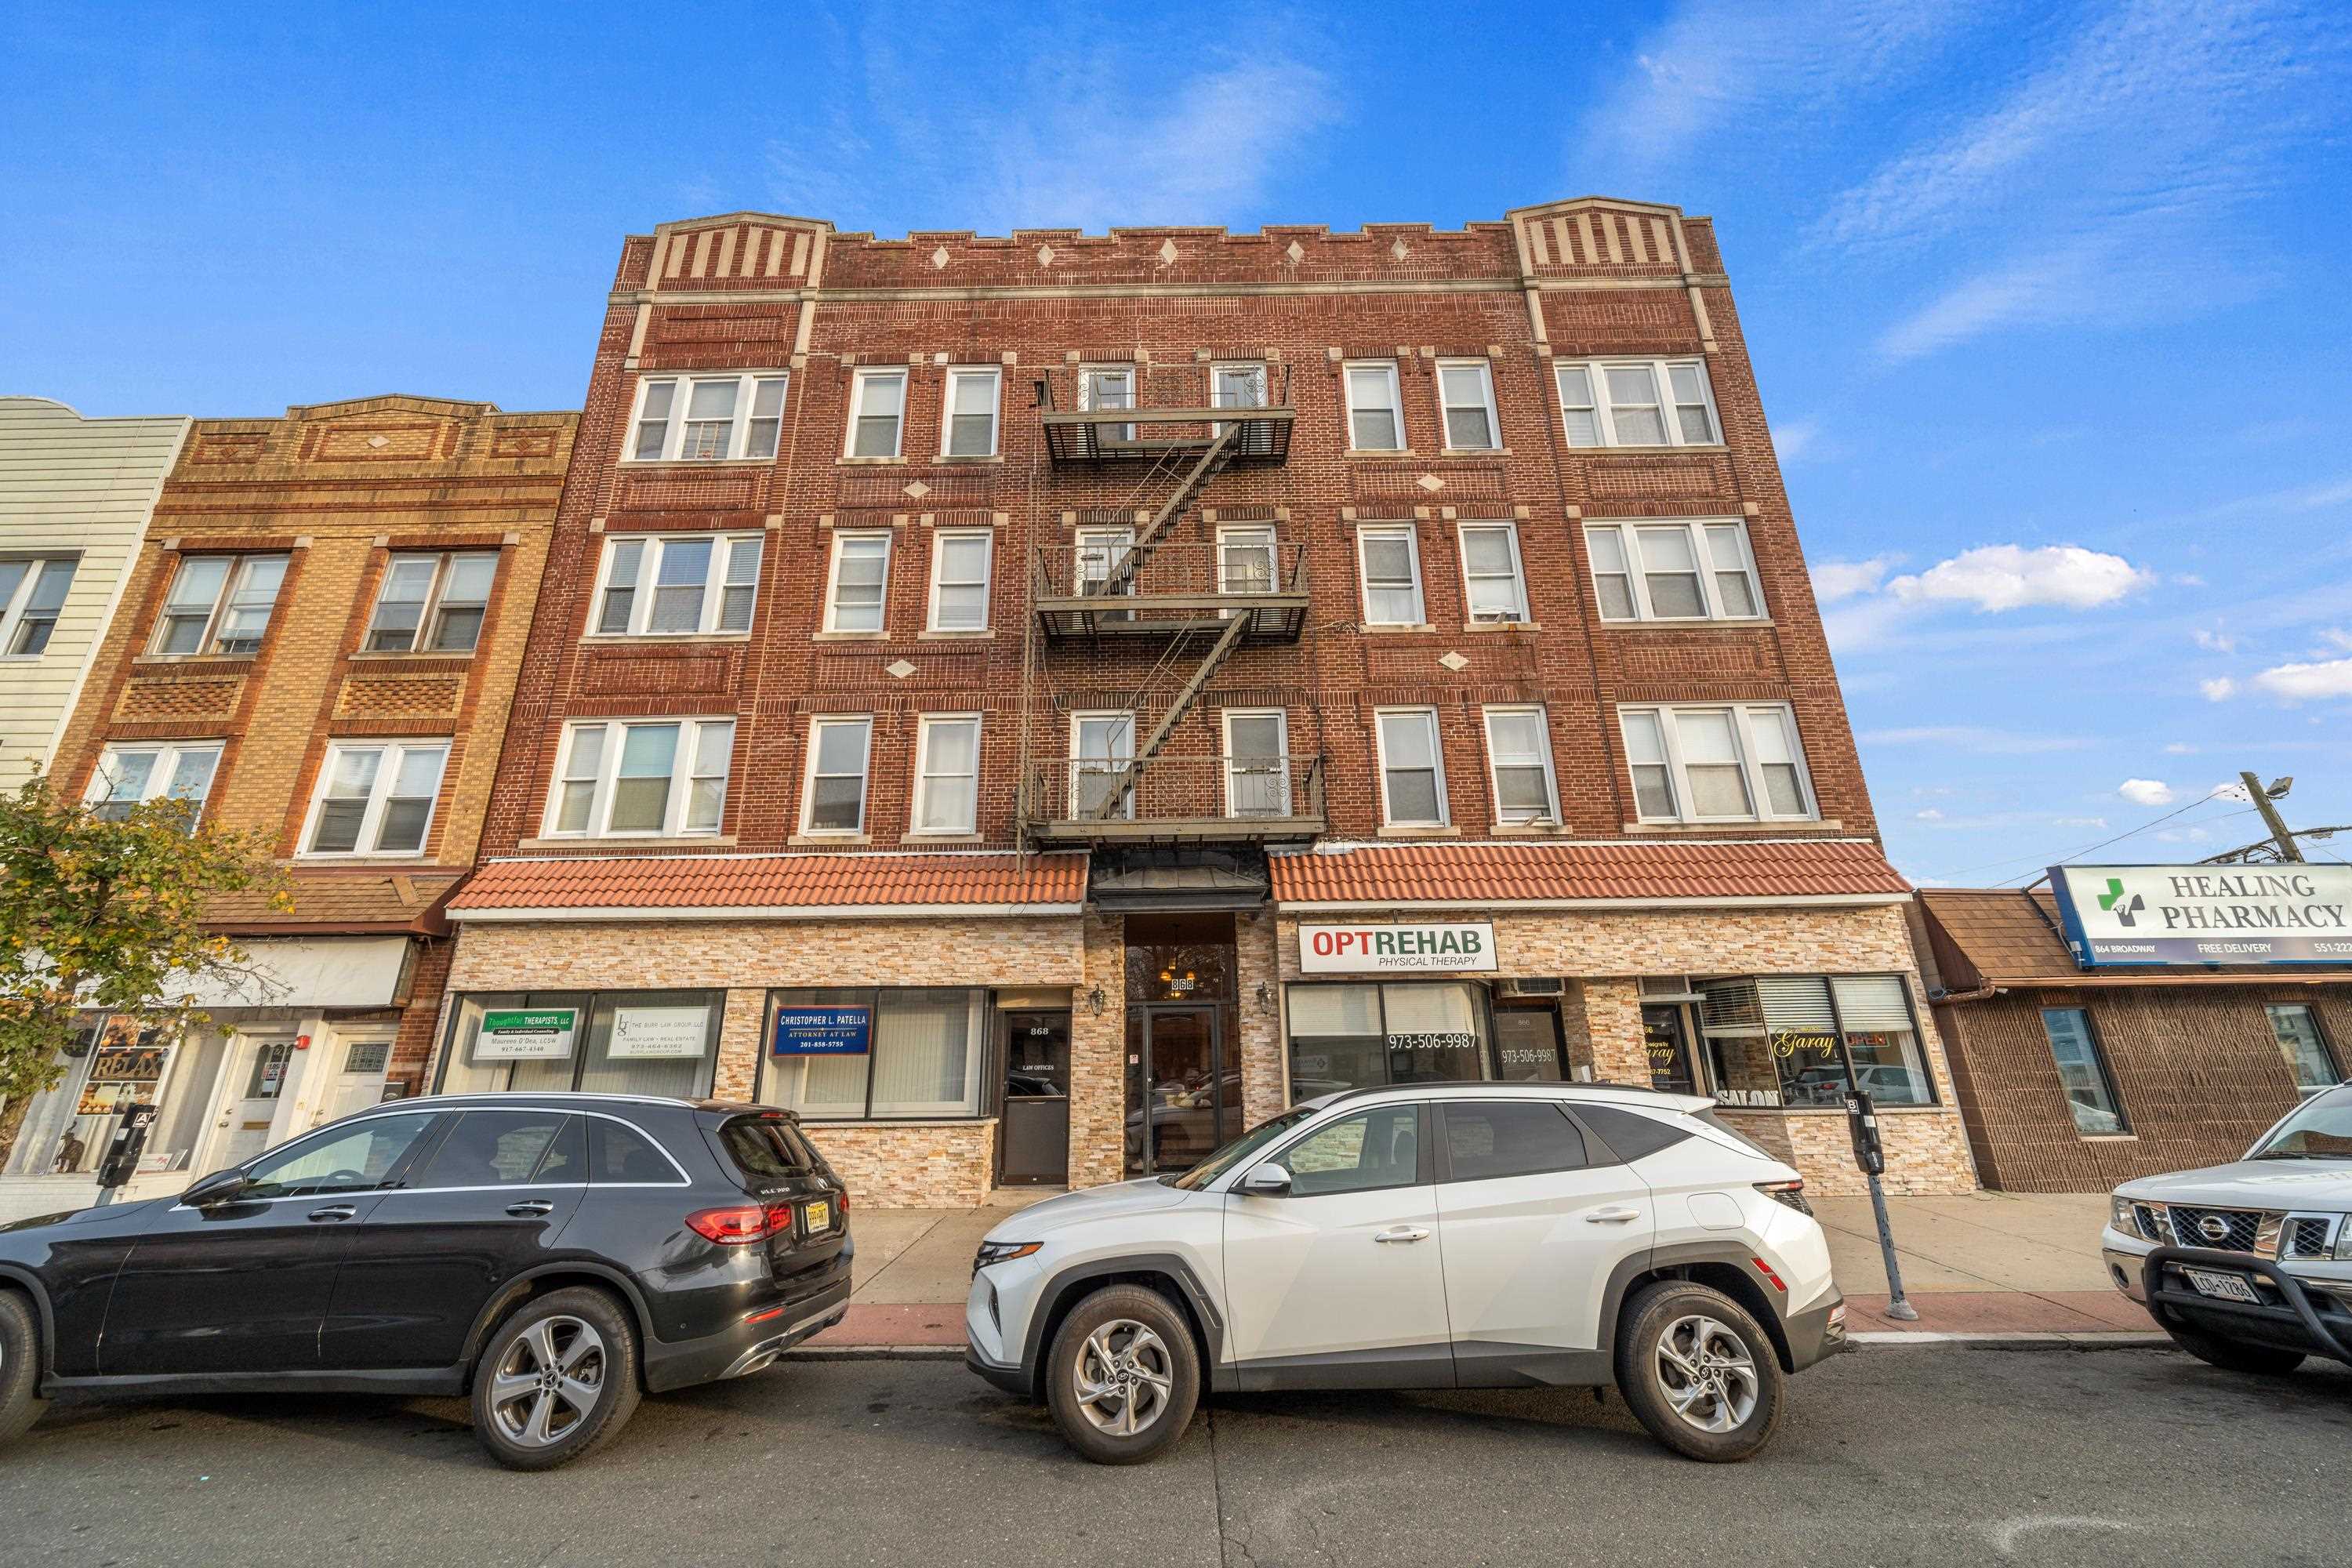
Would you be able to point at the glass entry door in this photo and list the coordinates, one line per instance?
(1179, 1106)
(1035, 1146)
(1667, 1039)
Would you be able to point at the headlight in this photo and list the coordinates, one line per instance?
(2344, 1239)
(2123, 1220)
(1002, 1252)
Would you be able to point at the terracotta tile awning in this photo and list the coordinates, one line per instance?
(776, 886)
(1699, 871)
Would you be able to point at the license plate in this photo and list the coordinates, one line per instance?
(2224, 1286)
(820, 1218)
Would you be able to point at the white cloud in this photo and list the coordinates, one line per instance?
(2214, 641)
(2221, 688)
(2146, 792)
(2078, 822)
(1793, 439)
(1930, 815)
(1976, 738)
(2307, 682)
(2179, 749)
(1836, 580)
(2010, 576)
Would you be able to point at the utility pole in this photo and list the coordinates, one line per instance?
(2261, 797)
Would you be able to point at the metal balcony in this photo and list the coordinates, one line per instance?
(1174, 800)
(1118, 590)
(1145, 413)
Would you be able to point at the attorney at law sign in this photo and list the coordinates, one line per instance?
(1464, 947)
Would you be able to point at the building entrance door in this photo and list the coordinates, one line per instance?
(359, 1082)
(250, 1085)
(1035, 1146)
(1177, 1093)
(1666, 1036)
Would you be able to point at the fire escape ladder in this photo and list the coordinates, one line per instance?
(1115, 803)
(1212, 460)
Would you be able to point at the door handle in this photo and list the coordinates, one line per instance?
(531, 1207)
(1611, 1216)
(1403, 1233)
(335, 1211)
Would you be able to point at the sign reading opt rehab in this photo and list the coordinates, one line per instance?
(2205, 914)
(1462, 948)
(823, 1032)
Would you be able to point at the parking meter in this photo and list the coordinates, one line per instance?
(1861, 1125)
(122, 1160)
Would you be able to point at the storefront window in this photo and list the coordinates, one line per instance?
(2304, 1047)
(922, 1055)
(1351, 1036)
(609, 1042)
(1786, 1041)
(2083, 1071)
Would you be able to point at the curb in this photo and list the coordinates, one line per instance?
(875, 1352)
(2113, 1340)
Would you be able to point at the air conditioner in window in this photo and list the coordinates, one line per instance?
(1541, 986)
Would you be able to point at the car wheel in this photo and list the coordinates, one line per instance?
(1698, 1372)
(1123, 1376)
(2231, 1355)
(20, 1365)
(557, 1380)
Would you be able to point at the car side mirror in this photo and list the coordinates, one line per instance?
(220, 1187)
(1267, 1180)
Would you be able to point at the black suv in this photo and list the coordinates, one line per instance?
(550, 1255)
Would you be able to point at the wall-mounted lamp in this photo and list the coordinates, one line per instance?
(1265, 998)
(1094, 1001)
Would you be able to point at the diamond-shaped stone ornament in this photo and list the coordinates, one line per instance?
(1430, 483)
(1044, 256)
(915, 489)
(379, 441)
(1296, 252)
(939, 256)
(1168, 251)
(1454, 662)
(1398, 250)
(898, 669)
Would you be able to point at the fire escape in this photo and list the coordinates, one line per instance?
(1149, 594)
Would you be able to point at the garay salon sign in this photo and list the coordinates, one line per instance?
(2205, 914)
(1461, 948)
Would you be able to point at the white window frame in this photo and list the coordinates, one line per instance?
(1363, 576)
(1628, 531)
(1487, 390)
(11, 610)
(859, 380)
(1281, 771)
(833, 580)
(1079, 762)
(1550, 814)
(723, 549)
(240, 566)
(739, 435)
(429, 621)
(940, 540)
(924, 774)
(1519, 614)
(994, 375)
(167, 755)
(395, 753)
(818, 724)
(599, 804)
(1744, 718)
(1347, 370)
(1087, 376)
(1437, 755)
(1660, 381)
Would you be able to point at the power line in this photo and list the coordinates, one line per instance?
(2078, 854)
(2045, 859)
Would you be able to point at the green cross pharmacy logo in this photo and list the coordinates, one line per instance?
(2114, 895)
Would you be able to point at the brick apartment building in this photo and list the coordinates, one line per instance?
(1038, 705)
(317, 640)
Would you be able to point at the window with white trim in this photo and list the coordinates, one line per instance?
(32, 593)
(968, 429)
(678, 584)
(947, 774)
(433, 603)
(859, 581)
(1731, 763)
(1697, 569)
(1494, 585)
(1390, 558)
(708, 418)
(1412, 768)
(1107, 386)
(1375, 407)
(1637, 403)
(1466, 391)
(375, 797)
(1519, 755)
(627, 778)
(127, 776)
(878, 413)
(960, 569)
(1257, 762)
(219, 605)
(834, 796)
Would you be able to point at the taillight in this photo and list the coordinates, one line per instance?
(734, 1226)
(1789, 1193)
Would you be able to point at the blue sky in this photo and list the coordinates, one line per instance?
(2048, 303)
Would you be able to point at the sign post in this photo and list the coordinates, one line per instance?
(122, 1159)
(1870, 1155)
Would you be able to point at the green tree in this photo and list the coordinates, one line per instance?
(106, 915)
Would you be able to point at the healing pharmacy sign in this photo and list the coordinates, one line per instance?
(2195, 915)
(1459, 948)
(527, 1035)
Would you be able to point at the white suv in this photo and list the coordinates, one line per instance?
(1433, 1236)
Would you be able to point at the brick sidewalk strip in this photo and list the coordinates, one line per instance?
(940, 1325)
(2005, 1312)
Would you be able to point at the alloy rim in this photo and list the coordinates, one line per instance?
(1123, 1378)
(1708, 1375)
(547, 1381)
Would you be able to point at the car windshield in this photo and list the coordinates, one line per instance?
(1240, 1149)
(2322, 1130)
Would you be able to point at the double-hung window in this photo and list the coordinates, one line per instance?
(970, 428)
(947, 774)
(678, 584)
(651, 778)
(433, 603)
(878, 410)
(1375, 408)
(1518, 750)
(1716, 763)
(1492, 579)
(1257, 762)
(833, 800)
(1412, 768)
(1696, 569)
(1107, 386)
(375, 797)
(1390, 558)
(959, 568)
(860, 582)
(32, 593)
(1466, 387)
(169, 769)
(2304, 1047)
(2083, 1071)
(708, 418)
(1637, 403)
(219, 603)
(1102, 774)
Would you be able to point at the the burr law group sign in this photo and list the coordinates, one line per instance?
(2205, 914)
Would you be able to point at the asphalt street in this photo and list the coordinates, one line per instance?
(1888, 1456)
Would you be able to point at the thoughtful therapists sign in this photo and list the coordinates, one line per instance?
(2205, 914)
(1467, 947)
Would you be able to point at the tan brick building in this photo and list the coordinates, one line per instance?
(976, 671)
(319, 640)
